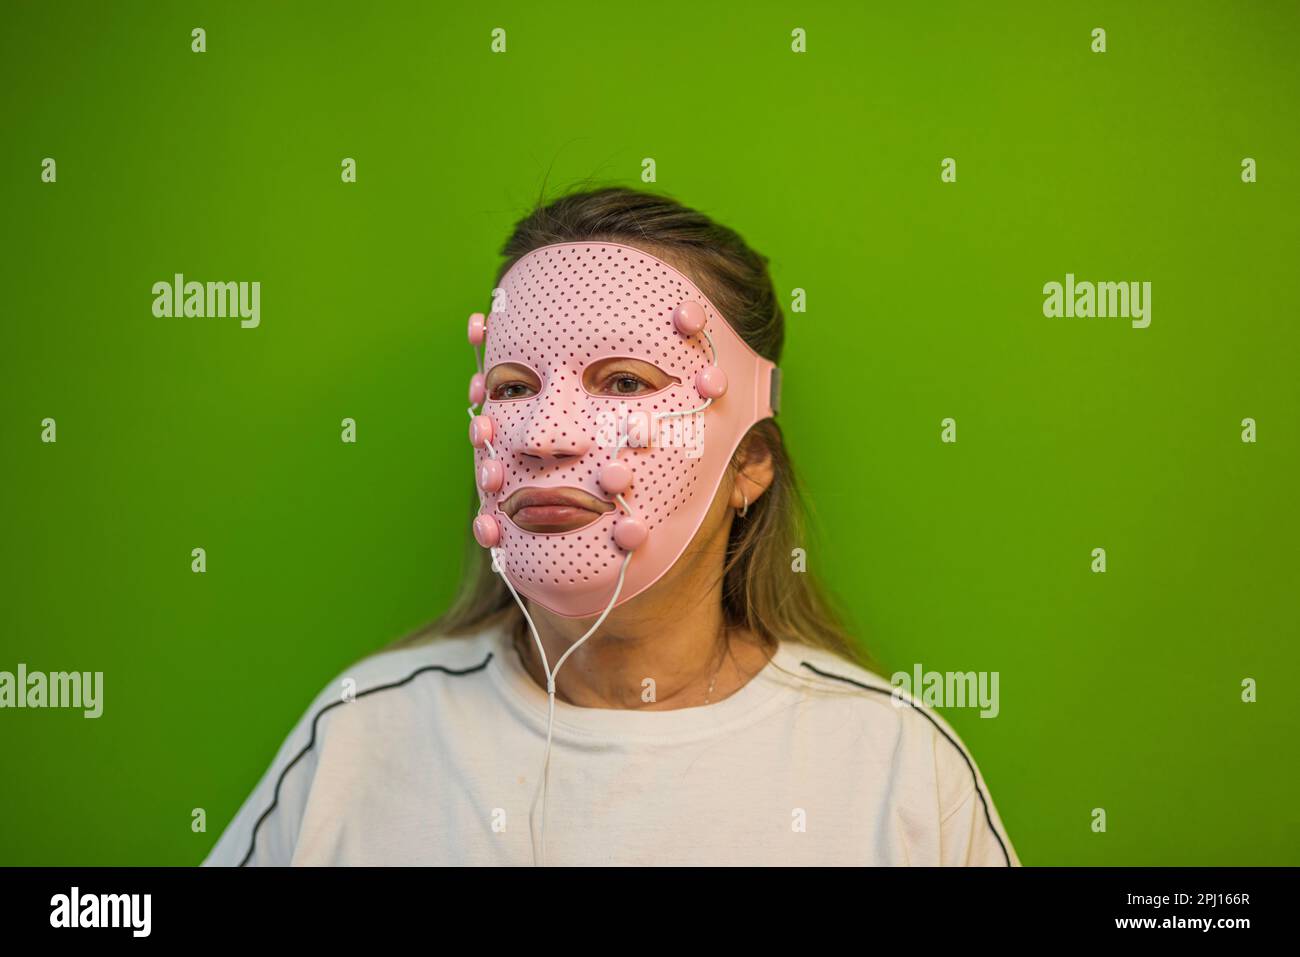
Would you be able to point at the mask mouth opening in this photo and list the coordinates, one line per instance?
(554, 511)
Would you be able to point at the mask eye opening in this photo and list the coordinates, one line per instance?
(600, 372)
(505, 374)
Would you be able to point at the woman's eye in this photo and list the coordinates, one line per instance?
(625, 384)
(625, 377)
(512, 390)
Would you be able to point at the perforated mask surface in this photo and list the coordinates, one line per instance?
(565, 307)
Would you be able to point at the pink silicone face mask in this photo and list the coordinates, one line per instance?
(658, 458)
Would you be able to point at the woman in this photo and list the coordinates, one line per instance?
(637, 670)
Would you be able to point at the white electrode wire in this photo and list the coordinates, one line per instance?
(499, 568)
(669, 415)
(707, 402)
(539, 856)
(544, 778)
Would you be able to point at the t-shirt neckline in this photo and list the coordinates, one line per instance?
(529, 700)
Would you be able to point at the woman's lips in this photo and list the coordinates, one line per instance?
(554, 509)
(553, 518)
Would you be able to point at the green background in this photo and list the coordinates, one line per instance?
(1118, 690)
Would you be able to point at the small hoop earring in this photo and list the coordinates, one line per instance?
(744, 511)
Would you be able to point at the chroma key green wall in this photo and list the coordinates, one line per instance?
(1119, 690)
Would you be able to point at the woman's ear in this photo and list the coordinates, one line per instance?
(753, 472)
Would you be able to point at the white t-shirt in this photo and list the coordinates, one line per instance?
(436, 759)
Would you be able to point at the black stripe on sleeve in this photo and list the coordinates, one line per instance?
(252, 843)
(929, 717)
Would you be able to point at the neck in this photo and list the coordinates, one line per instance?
(646, 663)
(667, 648)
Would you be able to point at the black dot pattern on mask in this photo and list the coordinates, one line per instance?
(567, 306)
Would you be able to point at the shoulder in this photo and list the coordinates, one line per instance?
(342, 715)
(866, 702)
(935, 773)
(376, 691)
(417, 665)
(392, 679)
(890, 709)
